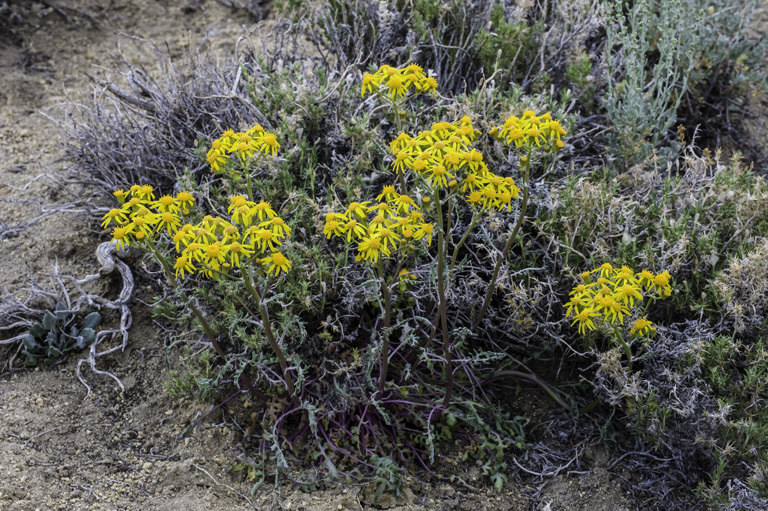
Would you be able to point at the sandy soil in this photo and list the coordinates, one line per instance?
(122, 450)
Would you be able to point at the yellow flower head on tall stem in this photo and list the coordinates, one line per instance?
(425, 230)
(438, 176)
(358, 210)
(335, 228)
(216, 159)
(214, 254)
(144, 225)
(120, 236)
(355, 229)
(263, 210)
(396, 83)
(370, 249)
(404, 204)
(276, 262)
(584, 319)
(183, 264)
(277, 225)
(120, 195)
(661, 283)
(369, 83)
(237, 252)
(269, 144)
(388, 193)
(167, 203)
(642, 327)
(263, 239)
(114, 215)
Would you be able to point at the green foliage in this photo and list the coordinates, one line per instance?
(737, 375)
(57, 334)
(648, 78)
(426, 14)
(693, 222)
(290, 6)
(579, 74)
(198, 377)
(729, 67)
(388, 476)
(682, 57)
(507, 45)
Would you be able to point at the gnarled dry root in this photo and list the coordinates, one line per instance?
(106, 253)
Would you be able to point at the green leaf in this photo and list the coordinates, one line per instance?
(88, 335)
(49, 321)
(92, 320)
(37, 330)
(498, 481)
(61, 311)
(29, 343)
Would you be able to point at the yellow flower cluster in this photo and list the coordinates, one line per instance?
(215, 243)
(612, 295)
(530, 131)
(444, 158)
(140, 216)
(380, 228)
(396, 83)
(241, 146)
(209, 246)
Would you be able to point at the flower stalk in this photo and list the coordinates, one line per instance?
(443, 311)
(385, 291)
(247, 280)
(195, 310)
(526, 160)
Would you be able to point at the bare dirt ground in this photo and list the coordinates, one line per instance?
(122, 450)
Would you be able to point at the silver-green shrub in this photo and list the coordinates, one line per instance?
(650, 54)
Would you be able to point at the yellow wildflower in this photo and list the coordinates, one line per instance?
(370, 248)
(276, 262)
(642, 327)
(183, 264)
(584, 319)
